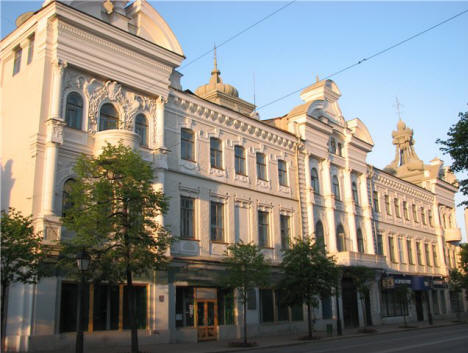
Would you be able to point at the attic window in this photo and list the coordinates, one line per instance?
(17, 61)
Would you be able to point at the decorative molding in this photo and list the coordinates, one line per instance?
(189, 190)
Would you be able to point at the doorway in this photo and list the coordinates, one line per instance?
(350, 303)
(206, 319)
(419, 305)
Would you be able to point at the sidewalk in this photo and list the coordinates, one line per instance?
(263, 342)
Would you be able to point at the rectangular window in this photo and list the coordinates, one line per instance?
(434, 255)
(187, 228)
(396, 203)
(376, 202)
(184, 307)
(266, 304)
(400, 251)
(429, 216)
(392, 305)
(217, 221)
(261, 166)
(415, 213)
(428, 257)
(225, 307)
(17, 60)
(284, 227)
(326, 308)
(281, 307)
(409, 245)
(216, 153)
(239, 162)
(68, 302)
(391, 249)
(423, 216)
(31, 48)
(282, 173)
(380, 250)
(405, 210)
(263, 231)
(387, 205)
(419, 253)
(186, 144)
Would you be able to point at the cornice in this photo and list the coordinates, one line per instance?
(231, 120)
(410, 189)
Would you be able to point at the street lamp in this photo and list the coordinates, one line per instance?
(82, 261)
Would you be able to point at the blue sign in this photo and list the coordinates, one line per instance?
(418, 283)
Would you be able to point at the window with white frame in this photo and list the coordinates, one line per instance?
(314, 180)
(187, 217)
(423, 216)
(285, 230)
(409, 246)
(282, 173)
(31, 48)
(355, 192)
(376, 201)
(391, 249)
(360, 241)
(108, 118)
(336, 187)
(217, 221)
(340, 238)
(17, 59)
(428, 256)
(261, 166)
(216, 153)
(187, 144)
(239, 160)
(141, 129)
(387, 205)
(263, 229)
(396, 203)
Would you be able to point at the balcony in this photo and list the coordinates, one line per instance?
(453, 234)
(114, 136)
(351, 258)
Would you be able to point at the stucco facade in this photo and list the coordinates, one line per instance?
(97, 72)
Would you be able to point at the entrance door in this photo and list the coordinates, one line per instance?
(349, 297)
(207, 319)
(419, 305)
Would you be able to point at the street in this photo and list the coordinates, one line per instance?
(453, 339)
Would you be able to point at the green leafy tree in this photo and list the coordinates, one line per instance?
(362, 278)
(246, 269)
(457, 147)
(308, 273)
(113, 209)
(464, 264)
(456, 284)
(22, 255)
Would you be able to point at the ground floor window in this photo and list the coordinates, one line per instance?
(226, 307)
(107, 305)
(443, 303)
(266, 305)
(435, 301)
(274, 308)
(393, 304)
(326, 308)
(454, 301)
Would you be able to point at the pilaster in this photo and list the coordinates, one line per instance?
(329, 205)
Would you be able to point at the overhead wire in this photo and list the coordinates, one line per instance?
(369, 57)
(234, 36)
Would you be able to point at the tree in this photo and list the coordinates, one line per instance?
(308, 273)
(457, 147)
(22, 256)
(362, 278)
(456, 283)
(464, 264)
(246, 269)
(113, 212)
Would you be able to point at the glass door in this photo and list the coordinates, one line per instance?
(207, 320)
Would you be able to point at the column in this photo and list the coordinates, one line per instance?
(366, 212)
(329, 205)
(160, 125)
(54, 138)
(309, 198)
(349, 209)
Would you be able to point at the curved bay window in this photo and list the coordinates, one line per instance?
(336, 187)
(141, 128)
(314, 180)
(108, 117)
(74, 111)
(340, 238)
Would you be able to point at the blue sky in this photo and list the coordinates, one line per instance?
(285, 52)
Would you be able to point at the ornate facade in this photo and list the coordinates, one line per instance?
(97, 72)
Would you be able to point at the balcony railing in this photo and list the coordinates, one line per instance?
(351, 258)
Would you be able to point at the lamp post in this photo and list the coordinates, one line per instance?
(82, 261)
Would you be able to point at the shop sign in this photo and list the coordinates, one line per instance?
(388, 282)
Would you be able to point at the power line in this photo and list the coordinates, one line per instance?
(238, 33)
(369, 57)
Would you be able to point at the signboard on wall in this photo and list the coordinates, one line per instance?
(388, 282)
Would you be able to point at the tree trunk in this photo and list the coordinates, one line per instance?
(364, 312)
(245, 321)
(131, 311)
(309, 320)
(4, 314)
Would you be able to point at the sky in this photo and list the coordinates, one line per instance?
(286, 52)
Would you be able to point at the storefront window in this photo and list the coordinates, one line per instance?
(225, 307)
(184, 307)
(392, 305)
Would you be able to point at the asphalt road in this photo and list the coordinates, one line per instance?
(452, 339)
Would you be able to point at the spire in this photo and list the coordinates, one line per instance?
(215, 74)
(215, 59)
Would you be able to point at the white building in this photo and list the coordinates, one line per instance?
(104, 71)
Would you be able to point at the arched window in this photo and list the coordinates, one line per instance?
(74, 111)
(340, 238)
(108, 117)
(319, 236)
(360, 241)
(314, 180)
(336, 187)
(141, 128)
(355, 193)
(66, 196)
